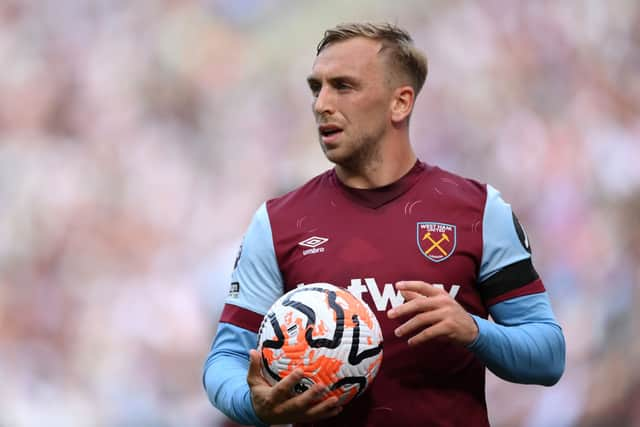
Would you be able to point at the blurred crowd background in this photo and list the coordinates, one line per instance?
(138, 137)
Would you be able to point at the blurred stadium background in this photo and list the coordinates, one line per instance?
(138, 137)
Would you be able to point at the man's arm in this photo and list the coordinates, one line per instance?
(225, 374)
(232, 372)
(525, 345)
(256, 283)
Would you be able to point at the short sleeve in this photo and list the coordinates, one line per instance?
(256, 281)
(506, 269)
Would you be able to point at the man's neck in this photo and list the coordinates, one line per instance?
(379, 172)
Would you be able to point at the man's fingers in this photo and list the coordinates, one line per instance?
(303, 402)
(422, 288)
(254, 375)
(325, 409)
(283, 389)
(410, 295)
(309, 410)
(419, 297)
(311, 396)
(280, 401)
(428, 333)
(417, 305)
(419, 321)
(297, 406)
(407, 308)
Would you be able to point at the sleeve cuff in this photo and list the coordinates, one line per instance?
(482, 328)
(248, 403)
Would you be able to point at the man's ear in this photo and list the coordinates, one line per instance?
(402, 103)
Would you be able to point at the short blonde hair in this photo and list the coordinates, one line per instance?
(396, 43)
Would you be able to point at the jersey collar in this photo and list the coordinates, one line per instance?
(376, 197)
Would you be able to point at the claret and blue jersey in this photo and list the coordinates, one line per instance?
(432, 226)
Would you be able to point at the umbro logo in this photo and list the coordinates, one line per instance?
(312, 243)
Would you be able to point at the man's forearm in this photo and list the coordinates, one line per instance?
(525, 345)
(225, 374)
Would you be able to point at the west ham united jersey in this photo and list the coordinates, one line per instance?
(432, 226)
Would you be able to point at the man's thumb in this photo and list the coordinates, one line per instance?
(254, 365)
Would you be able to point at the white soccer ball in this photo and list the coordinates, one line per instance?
(329, 333)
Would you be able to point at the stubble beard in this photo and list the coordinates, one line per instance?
(364, 154)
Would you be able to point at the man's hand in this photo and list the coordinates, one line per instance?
(434, 314)
(279, 405)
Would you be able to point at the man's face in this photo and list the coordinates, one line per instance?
(351, 100)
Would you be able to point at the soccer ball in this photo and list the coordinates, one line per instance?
(329, 333)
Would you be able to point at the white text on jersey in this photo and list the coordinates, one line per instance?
(389, 293)
(312, 243)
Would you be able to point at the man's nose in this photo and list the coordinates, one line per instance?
(324, 102)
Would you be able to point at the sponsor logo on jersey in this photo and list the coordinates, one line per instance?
(312, 244)
(388, 295)
(436, 240)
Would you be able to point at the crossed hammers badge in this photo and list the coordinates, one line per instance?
(436, 240)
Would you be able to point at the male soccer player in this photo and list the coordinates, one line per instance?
(434, 254)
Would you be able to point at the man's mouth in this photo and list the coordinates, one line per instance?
(329, 133)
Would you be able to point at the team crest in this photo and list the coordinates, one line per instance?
(436, 240)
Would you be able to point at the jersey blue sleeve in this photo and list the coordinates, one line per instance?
(501, 245)
(225, 374)
(256, 284)
(525, 344)
(257, 275)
